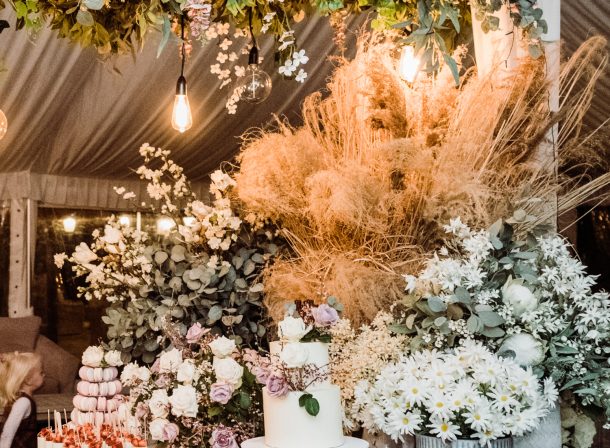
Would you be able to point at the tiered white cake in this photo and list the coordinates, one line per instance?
(287, 425)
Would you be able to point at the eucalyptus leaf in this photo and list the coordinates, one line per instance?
(85, 18)
(436, 304)
(94, 5)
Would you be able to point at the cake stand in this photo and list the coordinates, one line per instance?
(350, 442)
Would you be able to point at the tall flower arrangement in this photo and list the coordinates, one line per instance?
(197, 394)
(525, 297)
(205, 270)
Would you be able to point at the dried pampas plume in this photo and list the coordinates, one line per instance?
(362, 189)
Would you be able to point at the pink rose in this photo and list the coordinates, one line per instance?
(277, 386)
(223, 437)
(324, 315)
(155, 367)
(221, 392)
(250, 356)
(195, 333)
(163, 381)
(170, 432)
(261, 374)
(142, 411)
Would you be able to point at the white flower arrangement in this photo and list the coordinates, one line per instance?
(466, 393)
(192, 390)
(527, 298)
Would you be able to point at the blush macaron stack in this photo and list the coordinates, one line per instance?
(99, 396)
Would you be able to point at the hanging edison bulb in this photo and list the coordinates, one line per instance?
(408, 65)
(255, 85)
(182, 119)
(3, 125)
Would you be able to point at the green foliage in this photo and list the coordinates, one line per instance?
(226, 298)
(311, 405)
(432, 26)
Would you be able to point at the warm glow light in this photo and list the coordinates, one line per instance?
(164, 225)
(408, 66)
(182, 119)
(3, 124)
(188, 220)
(125, 220)
(69, 224)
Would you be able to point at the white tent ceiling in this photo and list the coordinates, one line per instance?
(70, 115)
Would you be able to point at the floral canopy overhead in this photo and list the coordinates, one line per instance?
(116, 27)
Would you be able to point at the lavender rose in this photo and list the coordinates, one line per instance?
(324, 315)
(261, 374)
(221, 392)
(170, 432)
(223, 437)
(195, 333)
(277, 386)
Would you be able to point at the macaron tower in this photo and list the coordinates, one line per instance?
(99, 389)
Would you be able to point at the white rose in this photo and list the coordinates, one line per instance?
(83, 254)
(113, 358)
(93, 356)
(143, 374)
(294, 355)
(519, 296)
(227, 369)
(528, 350)
(222, 347)
(130, 373)
(170, 360)
(111, 235)
(159, 403)
(156, 428)
(187, 372)
(184, 401)
(292, 329)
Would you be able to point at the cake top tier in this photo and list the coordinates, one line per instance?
(315, 352)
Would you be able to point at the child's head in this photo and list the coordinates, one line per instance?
(19, 372)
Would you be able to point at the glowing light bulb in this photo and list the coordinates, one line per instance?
(164, 225)
(69, 224)
(124, 220)
(3, 124)
(255, 85)
(188, 220)
(408, 66)
(182, 119)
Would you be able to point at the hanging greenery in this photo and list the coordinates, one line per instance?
(117, 27)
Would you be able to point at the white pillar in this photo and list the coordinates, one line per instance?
(22, 241)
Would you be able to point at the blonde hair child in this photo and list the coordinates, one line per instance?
(20, 375)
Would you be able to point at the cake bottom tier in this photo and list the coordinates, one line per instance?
(349, 442)
(287, 425)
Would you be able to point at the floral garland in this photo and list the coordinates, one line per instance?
(115, 27)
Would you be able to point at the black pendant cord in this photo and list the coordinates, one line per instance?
(183, 44)
(253, 56)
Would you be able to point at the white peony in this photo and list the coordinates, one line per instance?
(170, 361)
(143, 374)
(113, 358)
(528, 350)
(112, 235)
(228, 370)
(130, 373)
(519, 297)
(159, 403)
(156, 428)
(184, 401)
(292, 329)
(93, 356)
(294, 355)
(187, 372)
(222, 347)
(83, 254)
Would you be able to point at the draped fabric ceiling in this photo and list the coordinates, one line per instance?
(75, 125)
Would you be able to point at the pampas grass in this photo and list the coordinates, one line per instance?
(362, 189)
